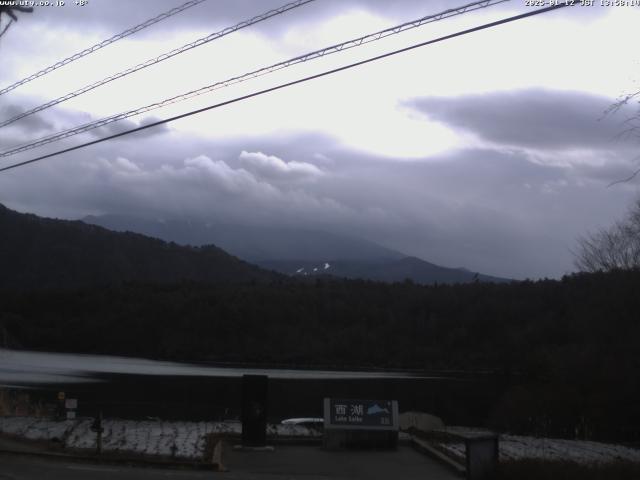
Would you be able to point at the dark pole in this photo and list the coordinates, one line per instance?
(254, 410)
(97, 427)
(99, 441)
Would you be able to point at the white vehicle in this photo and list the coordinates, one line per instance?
(309, 422)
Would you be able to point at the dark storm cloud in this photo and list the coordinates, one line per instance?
(126, 124)
(33, 123)
(487, 210)
(614, 168)
(532, 118)
(30, 128)
(496, 210)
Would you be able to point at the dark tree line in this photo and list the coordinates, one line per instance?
(40, 253)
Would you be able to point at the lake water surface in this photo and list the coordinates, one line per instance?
(19, 367)
(133, 387)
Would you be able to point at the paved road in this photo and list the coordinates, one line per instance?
(16, 467)
(285, 463)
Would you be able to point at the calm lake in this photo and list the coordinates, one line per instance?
(137, 388)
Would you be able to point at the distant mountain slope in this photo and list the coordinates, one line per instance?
(252, 243)
(39, 252)
(411, 268)
(298, 252)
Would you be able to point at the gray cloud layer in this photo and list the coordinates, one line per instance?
(484, 209)
(116, 16)
(533, 118)
(495, 208)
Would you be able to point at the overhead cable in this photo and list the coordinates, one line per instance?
(104, 43)
(256, 73)
(160, 58)
(294, 82)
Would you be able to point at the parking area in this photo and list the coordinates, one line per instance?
(311, 462)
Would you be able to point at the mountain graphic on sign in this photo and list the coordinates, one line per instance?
(376, 409)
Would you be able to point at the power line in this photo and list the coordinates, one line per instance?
(160, 58)
(256, 73)
(295, 82)
(104, 43)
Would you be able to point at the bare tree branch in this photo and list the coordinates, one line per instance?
(621, 102)
(625, 180)
(4, 30)
(632, 129)
(617, 247)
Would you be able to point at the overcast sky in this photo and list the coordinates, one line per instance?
(489, 151)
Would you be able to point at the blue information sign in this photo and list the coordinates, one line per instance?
(369, 414)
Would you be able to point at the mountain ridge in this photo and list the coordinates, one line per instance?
(37, 252)
(390, 271)
(251, 243)
(289, 250)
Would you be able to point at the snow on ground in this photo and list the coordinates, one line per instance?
(516, 447)
(188, 439)
(173, 439)
(36, 428)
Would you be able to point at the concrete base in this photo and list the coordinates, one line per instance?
(359, 439)
(244, 448)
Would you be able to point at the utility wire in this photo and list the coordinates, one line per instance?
(295, 82)
(104, 43)
(160, 58)
(257, 73)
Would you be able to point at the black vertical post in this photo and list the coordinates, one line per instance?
(61, 410)
(96, 426)
(100, 430)
(482, 457)
(254, 410)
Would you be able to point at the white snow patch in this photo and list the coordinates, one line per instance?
(171, 439)
(327, 266)
(516, 447)
(36, 429)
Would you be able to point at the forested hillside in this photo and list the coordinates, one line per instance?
(38, 252)
(568, 348)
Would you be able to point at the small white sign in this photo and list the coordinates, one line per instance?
(71, 403)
